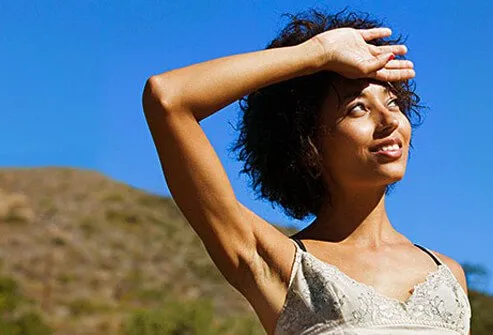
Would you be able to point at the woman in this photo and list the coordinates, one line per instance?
(326, 131)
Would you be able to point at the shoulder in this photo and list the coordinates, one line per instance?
(455, 267)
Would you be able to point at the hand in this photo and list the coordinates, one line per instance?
(346, 52)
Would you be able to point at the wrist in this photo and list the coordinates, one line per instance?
(316, 55)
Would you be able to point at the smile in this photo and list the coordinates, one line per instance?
(393, 151)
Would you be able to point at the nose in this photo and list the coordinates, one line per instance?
(388, 121)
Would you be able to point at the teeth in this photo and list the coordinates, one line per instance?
(393, 147)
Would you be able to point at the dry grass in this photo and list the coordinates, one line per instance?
(89, 250)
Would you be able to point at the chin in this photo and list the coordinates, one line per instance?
(392, 171)
(395, 177)
(389, 177)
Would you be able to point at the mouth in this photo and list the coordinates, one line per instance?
(391, 148)
(393, 153)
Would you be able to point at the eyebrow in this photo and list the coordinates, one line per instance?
(356, 94)
(350, 96)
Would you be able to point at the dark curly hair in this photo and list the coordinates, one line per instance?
(278, 142)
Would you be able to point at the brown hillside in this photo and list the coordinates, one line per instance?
(88, 249)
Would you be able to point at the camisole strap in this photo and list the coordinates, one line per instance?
(302, 246)
(429, 253)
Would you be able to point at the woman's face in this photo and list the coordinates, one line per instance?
(358, 116)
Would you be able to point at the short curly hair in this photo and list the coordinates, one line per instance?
(277, 140)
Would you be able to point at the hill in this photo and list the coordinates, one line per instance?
(89, 250)
(88, 253)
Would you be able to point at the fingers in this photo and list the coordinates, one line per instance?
(395, 70)
(369, 34)
(399, 64)
(373, 65)
(382, 66)
(393, 75)
(398, 49)
(392, 70)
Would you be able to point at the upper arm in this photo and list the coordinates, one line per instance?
(201, 189)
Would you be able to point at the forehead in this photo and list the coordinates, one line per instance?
(343, 89)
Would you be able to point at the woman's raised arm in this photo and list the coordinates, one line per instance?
(204, 88)
(174, 102)
(207, 87)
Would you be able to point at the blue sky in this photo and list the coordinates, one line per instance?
(73, 73)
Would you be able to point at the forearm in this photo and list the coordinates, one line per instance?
(207, 87)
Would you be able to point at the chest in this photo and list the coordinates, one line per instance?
(393, 274)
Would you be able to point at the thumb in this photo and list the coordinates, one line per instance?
(379, 62)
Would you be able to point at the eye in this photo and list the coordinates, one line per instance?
(394, 103)
(358, 108)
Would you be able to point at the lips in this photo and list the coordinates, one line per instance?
(384, 143)
(388, 155)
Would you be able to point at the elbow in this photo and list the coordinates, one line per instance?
(155, 96)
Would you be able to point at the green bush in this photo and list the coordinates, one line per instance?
(188, 318)
(242, 325)
(9, 295)
(32, 324)
(175, 318)
(9, 328)
(29, 323)
(482, 313)
(80, 307)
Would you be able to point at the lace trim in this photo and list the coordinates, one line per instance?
(355, 282)
(423, 307)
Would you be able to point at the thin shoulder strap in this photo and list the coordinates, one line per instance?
(429, 253)
(302, 246)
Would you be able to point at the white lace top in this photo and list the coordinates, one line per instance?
(321, 299)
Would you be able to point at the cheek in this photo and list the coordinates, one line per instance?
(349, 141)
(356, 136)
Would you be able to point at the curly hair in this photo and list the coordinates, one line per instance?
(278, 132)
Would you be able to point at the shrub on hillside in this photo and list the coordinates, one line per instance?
(11, 321)
(188, 318)
(15, 208)
(194, 317)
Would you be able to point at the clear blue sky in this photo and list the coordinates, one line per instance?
(73, 73)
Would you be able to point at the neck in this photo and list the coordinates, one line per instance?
(355, 218)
